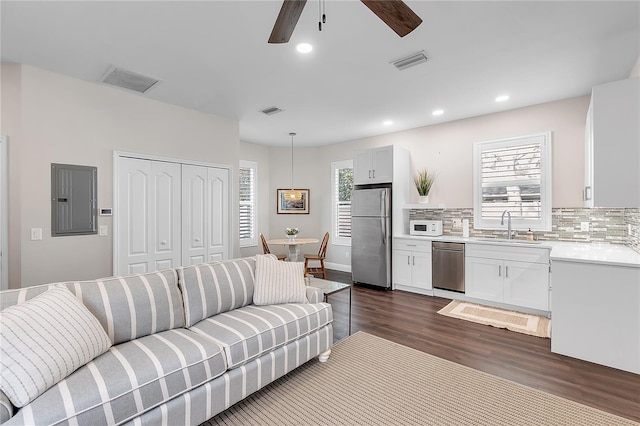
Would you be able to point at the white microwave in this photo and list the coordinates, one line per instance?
(430, 228)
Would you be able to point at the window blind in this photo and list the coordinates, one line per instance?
(247, 204)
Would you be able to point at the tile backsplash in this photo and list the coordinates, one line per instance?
(606, 225)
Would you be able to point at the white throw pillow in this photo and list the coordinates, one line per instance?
(278, 282)
(43, 340)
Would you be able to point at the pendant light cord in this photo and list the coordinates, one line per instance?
(292, 135)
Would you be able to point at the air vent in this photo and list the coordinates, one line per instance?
(271, 111)
(410, 61)
(129, 80)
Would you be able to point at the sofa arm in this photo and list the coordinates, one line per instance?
(314, 295)
(6, 408)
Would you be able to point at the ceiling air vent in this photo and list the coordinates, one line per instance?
(409, 61)
(129, 80)
(271, 111)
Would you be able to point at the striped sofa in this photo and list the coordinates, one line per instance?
(187, 344)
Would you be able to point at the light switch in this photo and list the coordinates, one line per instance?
(104, 230)
(36, 234)
(584, 226)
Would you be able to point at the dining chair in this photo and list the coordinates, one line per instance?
(265, 249)
(322, 253)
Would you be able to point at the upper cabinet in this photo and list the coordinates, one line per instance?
(373, 166)
(612, 145)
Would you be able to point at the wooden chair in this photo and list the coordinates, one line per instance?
(265, 249)
(322, 253)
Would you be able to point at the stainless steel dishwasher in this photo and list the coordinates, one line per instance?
(448, 266)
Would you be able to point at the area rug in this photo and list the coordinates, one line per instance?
(533, 325)
(372, 381)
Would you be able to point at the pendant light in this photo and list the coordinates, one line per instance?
(292, 194)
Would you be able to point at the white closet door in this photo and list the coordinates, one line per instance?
(205, 211)
(218, 241)
(149, 205)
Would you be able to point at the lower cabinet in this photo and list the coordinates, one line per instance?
(412, 265)
(510, 275)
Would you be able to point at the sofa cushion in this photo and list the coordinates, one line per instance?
(133, 306)
(251, 331)
(278, 282)
(212, 288)
(43, 340)
(128, 380)
(127, 307)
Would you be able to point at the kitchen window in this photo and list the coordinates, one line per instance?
(513, 174)
(342, 184)
(248, 172)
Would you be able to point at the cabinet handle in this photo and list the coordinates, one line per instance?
(499, 270)
(374, 173)
(506, 272)
(409, 260)
(414, 260)
(587, 193)
(369, 174)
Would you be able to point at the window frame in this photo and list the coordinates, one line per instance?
(253, 241)
(542, 224)
(337, 165)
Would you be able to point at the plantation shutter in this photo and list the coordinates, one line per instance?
(247, 205)
(343, 180)
(512, 180)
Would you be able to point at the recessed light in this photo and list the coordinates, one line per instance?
(387, 123)
(304, 48)
(502, 98)
(438, 112)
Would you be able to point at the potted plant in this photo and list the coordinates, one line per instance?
(424, 181)
(291, 233)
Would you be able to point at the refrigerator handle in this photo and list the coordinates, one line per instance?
(384, 230)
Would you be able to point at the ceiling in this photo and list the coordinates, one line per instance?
(213, 56)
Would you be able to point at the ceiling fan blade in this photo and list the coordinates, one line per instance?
(286, 21)
(396, 14)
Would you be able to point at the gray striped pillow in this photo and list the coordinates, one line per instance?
(278, 282)
(43, 340)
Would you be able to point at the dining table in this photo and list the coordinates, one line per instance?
(293, 245)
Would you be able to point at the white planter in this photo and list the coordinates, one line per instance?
(423, 199)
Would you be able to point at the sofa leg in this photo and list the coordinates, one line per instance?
(324, 356)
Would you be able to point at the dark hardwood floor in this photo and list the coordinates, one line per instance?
(412, 320)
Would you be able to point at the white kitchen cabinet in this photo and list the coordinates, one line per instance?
(412, 265)
(596, 313)
(510, 275)
(373, 166)
(612, 145)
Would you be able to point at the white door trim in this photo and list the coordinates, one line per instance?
(4, 211)
(117, 155)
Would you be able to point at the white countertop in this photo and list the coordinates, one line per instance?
(611, 254)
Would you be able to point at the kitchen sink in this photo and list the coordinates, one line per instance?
(504, 240)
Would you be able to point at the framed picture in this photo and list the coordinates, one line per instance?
(293, 206)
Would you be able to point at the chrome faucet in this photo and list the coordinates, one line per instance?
(508, 222)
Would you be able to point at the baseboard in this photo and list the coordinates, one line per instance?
(338, 267)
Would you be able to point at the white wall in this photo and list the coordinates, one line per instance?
(259, 154)
(65, 120)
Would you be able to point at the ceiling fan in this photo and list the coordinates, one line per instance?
(395, 13)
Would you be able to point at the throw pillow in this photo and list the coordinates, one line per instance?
(43, 340)
(278, 282)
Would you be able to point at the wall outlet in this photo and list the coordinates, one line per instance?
(36, 234)
(584, 226)
(103, 230)
(456, 223)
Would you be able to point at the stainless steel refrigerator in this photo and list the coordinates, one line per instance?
(371, 236)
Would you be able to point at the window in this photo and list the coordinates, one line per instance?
(248, 201)
(514, 175)
(342, 185)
